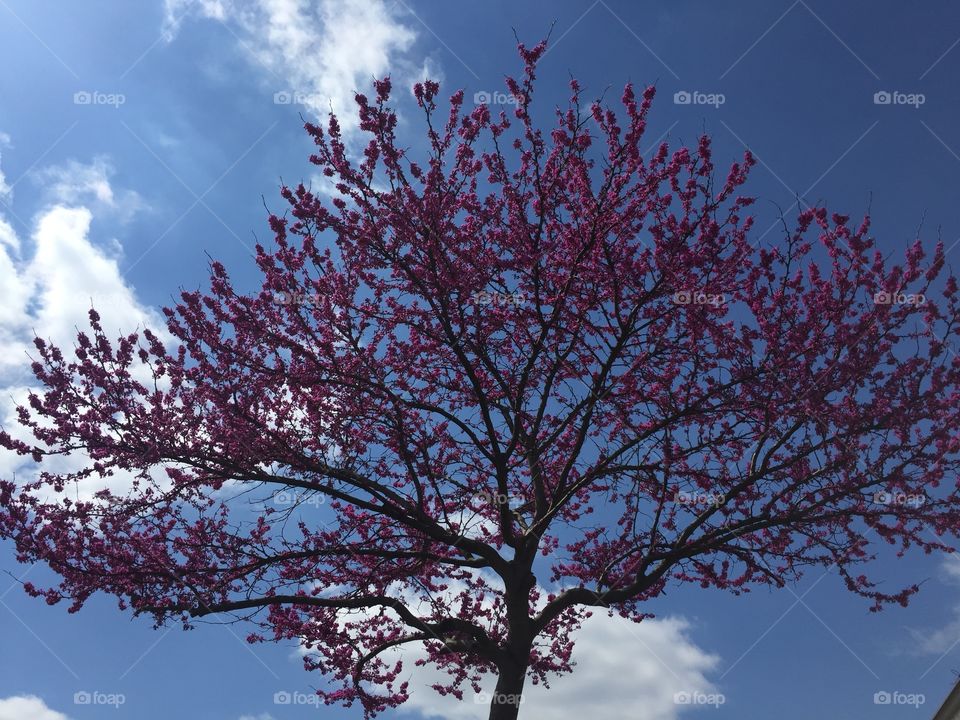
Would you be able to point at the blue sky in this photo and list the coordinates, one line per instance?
(135, 138)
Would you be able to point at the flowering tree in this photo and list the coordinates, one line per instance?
(481, 392)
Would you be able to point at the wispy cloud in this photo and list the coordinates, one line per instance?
(939, 641)
(5, 189)
(318, 54)
(88, 184)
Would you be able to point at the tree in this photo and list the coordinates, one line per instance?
(478, 395)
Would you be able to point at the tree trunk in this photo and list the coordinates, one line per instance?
(505, 703)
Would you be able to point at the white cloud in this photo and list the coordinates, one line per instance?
(50, 283)
(262, 716)
(5, 189)
(623, 669)
(177, 10)
(27, 707)
(51, 292)
(14, 291)
(88, 184)
(325, 50)
(941, 640)
(950, 568)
